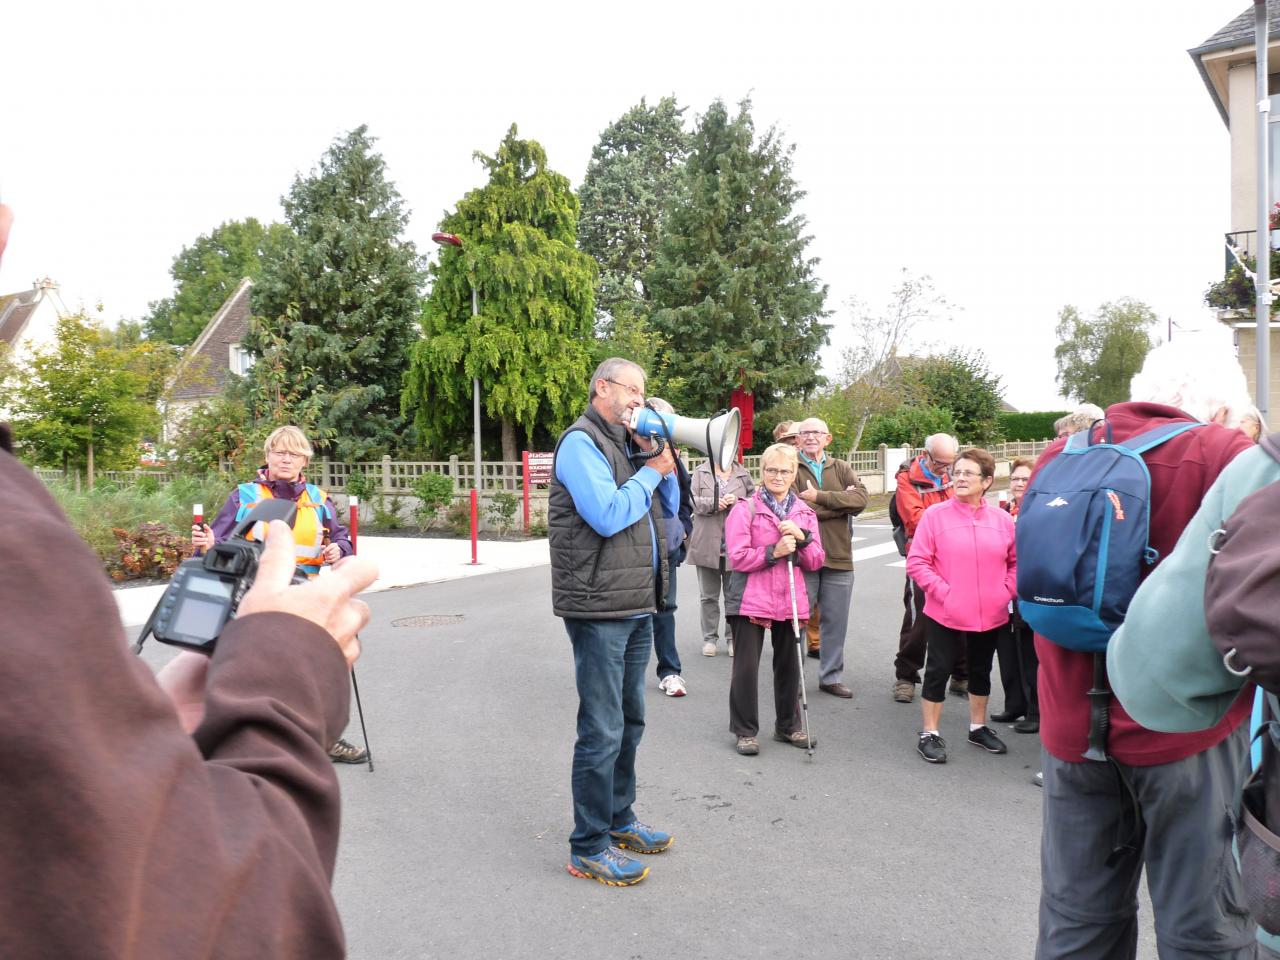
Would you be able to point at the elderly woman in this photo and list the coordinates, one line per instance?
(714, 492)
(770, 538)
(1016, 646)
(320, 537)
(963, 557)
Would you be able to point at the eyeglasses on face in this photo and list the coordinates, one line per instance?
(633, 391)
(1019, 479)
(288, 455)
(967, 474)
(778, 472)
(938, 462)
(810, 433)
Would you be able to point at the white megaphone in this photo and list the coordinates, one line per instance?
(716, 437)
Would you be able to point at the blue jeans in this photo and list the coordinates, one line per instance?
(664, 628)
(609, 659)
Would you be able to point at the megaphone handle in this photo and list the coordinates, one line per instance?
(658, 446)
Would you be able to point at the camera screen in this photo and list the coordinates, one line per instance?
(203, 609)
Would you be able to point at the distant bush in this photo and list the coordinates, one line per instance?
(434, 492)
(907, 426)
(1028, 426)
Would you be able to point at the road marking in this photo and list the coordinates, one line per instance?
(879, 550)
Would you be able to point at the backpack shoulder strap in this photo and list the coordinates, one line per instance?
(1158, 435)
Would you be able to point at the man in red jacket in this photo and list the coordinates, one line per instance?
(926, 481)
(1165, 802)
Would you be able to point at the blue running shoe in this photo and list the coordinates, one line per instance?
(641, 838)
(610, 866)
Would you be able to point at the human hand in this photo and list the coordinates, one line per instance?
(664, 462)
(325, 601)
(183, 679)
(785, 546)
(728, 500)
(201, 536)
(809, 494)
(332, 553)
(792, 529)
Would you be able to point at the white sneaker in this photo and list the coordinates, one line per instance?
(672, 686)
(709, 649)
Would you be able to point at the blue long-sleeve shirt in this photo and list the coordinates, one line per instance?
(606, 507)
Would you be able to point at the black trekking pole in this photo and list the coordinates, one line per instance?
(1099, 710)
(364, 734)
(795, 627)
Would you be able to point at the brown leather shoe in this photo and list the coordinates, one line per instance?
(836, 690)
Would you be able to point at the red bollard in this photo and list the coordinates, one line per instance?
(475, 524)
(353, 504)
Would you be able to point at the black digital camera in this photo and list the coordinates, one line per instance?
(206, 591)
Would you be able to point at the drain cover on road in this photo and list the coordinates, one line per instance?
(430, 620)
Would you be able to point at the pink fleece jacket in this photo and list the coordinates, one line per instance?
(747, 539)
(963, 559)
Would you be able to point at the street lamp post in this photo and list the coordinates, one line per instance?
(452, 240)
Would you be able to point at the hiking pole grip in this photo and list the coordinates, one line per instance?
(1099, 710)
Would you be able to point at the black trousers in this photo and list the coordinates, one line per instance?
(744, 705)
(945, 645)
(912, 642)
(1019, 666)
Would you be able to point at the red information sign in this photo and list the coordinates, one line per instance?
(539, 470)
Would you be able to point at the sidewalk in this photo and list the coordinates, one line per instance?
(402, 562)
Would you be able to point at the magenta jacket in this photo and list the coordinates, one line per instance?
(748, 543)
(963, 559)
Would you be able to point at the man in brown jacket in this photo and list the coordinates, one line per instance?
(832, 488)
(196, 816)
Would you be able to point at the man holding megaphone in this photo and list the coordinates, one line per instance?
(608, 576)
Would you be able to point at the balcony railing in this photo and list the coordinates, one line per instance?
(1245, 241)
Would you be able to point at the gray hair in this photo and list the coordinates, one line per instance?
(932, 441)
(609, 370)
(1197, 374)
(1081, 418)
(817, 422)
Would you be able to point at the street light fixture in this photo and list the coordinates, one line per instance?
(453, 240)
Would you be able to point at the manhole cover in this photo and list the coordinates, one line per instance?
(430, 620)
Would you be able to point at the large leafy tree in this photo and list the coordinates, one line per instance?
(1098, 356)
(206, 273)
(335, 310)
(530, 344)
(734, 296)
(80, 400)
(633, 174)
(961, 383)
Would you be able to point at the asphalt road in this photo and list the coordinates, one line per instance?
(455, 846)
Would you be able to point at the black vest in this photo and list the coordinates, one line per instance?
(595, 577)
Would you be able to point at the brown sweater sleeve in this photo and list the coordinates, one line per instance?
(123, 836)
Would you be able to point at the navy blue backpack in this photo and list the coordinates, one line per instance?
(1082, 537)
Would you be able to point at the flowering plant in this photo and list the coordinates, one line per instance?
(1274, 222)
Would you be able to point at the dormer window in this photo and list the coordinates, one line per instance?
(240, 360)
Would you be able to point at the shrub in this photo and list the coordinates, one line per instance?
(907, 426)
(434, 492)
(538, 524)
(458, 518)
(149, 550)
(501, 510)
(386, 513)
(361, 485)
(1028, 426)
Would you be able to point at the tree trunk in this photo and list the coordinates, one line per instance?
(509, 451)
(90, 467)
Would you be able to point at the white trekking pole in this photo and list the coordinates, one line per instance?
(795, 626)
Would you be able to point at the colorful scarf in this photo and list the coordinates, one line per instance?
(780, 510)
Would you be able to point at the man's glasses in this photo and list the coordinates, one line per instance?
(634, 391)
(967, 474)
(778, 471)
(809, 433)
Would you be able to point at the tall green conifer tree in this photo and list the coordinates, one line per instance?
(334, 312)
(734, 296)
(530, 345)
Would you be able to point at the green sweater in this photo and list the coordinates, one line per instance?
(1163, 666)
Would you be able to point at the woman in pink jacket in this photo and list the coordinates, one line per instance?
(963, 558)
(762, 533)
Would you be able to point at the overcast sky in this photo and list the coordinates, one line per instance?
(1025, 155)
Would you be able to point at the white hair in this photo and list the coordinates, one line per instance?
(932, 442)
(1198, 374)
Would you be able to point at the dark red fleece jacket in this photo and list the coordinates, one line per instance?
(1182, 470)
(122, 836)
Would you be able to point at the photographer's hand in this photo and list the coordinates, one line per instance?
(327, 601)
(183, 679)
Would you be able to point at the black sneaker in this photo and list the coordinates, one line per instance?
(932, 748)
(985, 738)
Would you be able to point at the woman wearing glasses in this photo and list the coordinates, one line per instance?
(1017, 645)
(320, 537)
(962, 556)
(770, 537)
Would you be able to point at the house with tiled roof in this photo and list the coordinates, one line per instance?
(211, 361)
(1228, 68)
(29, 318)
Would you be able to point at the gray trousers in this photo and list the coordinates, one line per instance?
(712, 582)
(1089, 911)
(830, 592)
